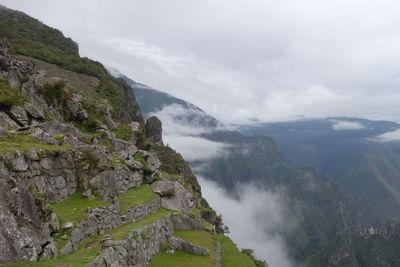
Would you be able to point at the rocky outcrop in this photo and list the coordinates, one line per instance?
(23, 236)
(173, 195)
(153, 129)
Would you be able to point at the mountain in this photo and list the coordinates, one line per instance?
(318, 207)
(153, 101)
(368, 248)
(85, 180)
(354, 156)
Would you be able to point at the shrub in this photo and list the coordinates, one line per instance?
(9, 96)
(147, 171)
(59, 137)
(55, 93)
(169, 193)
(123, 132)
(92, 125)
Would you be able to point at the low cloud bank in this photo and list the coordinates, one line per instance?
(182, 127)
(387, 137)
(255, 218)
(347, 125)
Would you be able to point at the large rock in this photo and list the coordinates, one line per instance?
(153, 129)
(173, 195)
(6, 122)
(19, 114)
(34, 111)
(14, 77)
(22, 234)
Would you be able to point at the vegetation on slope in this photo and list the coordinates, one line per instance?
(230, 254)
(137, 196)
(182, 259)
(28, 36)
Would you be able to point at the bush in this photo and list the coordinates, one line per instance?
(123, 132)
(147, 171)
(169, 193)
(55, 93)
(92, 125)
(8, 96)
(59, 138)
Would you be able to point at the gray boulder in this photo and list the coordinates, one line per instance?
(19, 114)
(34, 111)
(173, 195)
(6, 122)
(153, 129)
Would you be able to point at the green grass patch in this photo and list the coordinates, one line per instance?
(123, 132)
(182, 259)
(230, 254)
(123, 231)
(73, 209)
(23, 143)
(8, 96)
(132, 198)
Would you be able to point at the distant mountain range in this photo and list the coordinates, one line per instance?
(319, 205)
(356, 153)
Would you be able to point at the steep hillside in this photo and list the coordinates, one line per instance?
(84, 180)
(368, 248)
(319, 207)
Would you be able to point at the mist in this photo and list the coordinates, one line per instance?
(255, 218)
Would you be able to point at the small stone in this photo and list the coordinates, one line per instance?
(64, 237)
(170, 251)
(67, 226)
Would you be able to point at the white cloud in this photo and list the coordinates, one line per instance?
(182, 128)
(266, 60)
(341, 125)
(388, 137)
(255, 218)
(195, 148)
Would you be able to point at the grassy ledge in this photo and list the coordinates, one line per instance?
(23, 143)
(230, 254)
(123, 231)
(73, 209)
(132, 198)
(91, 247)
(182, 259)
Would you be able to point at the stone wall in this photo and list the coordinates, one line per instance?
(138, 248)
(143, 210)
(102, 219)
(51, 173)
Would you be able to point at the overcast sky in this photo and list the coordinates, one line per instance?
(245, 60)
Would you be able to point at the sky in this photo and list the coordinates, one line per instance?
(245, 61)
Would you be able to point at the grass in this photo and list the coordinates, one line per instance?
(73, 209)
(123, 231)
(8, 96)
(91, 247)
(140, 195)
(123, 132)
(182, 259)
(23, 143)
(230, 254)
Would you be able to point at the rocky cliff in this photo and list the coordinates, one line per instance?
(84, 180)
